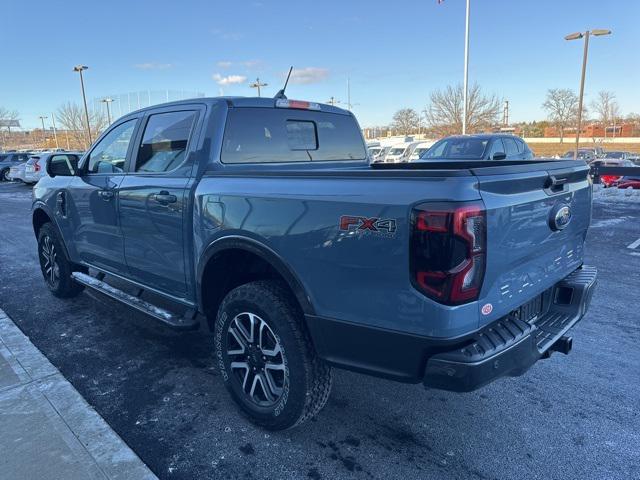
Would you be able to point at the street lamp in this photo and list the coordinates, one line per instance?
(258, 85)
(576, 36)
(42, 118)
(108, 101)
(79, 69)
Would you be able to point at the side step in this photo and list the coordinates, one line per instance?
(186, 322)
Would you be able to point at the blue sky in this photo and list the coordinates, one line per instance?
(395, 53)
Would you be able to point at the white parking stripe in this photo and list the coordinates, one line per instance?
(634, 244)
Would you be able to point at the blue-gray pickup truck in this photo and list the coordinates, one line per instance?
(265, 217)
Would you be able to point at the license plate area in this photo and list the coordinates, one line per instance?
(530, 311)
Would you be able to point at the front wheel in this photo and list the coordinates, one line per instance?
(54, 264)
(266, 357)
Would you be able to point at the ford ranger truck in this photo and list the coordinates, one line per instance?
(264, 219)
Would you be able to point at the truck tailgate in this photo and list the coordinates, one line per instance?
(530, 245)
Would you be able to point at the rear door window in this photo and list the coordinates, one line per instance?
(164, 142)
(267, 135)
(510, 146)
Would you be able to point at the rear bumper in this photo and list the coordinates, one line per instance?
(510, 346)
(507, 347)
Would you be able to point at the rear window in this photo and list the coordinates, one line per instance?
(264, 135)
(32, 160)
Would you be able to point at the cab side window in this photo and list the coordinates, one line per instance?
(164, 143)
(110, 154)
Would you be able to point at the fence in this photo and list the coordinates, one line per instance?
(128, 102)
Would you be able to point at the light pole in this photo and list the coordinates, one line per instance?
(466, 71)
(55, 133)
(576, 36)
(79, 69)
(108, 101)
(42, 118)
(257, 85)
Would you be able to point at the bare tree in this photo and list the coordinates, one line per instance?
(71, 118)
(444, 113)
(606, 106)
(406, 121)
(562, 107)
(6, 114)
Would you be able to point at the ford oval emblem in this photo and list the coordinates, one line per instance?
(560, 217)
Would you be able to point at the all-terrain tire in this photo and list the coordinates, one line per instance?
(306, 382)
(54, 264)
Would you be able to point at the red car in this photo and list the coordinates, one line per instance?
(629, 182)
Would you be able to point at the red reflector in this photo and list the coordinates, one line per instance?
(433, 221)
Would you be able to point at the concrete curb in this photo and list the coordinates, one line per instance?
(47, 429)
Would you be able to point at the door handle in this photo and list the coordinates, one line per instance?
(105, 194)
(165, 198)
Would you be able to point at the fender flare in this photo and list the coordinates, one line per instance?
(237, 242)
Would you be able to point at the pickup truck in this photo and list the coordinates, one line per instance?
(265, 218)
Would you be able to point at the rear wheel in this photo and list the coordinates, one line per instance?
(54, 264)
(265, 354)
(4, 175)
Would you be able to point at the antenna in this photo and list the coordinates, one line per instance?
(281, 94)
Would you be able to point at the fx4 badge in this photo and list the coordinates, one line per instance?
(374, 225)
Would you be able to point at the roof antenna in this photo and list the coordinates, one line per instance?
(281, 94)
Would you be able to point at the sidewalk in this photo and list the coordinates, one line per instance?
(47, 430)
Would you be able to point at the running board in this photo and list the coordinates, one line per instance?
(186, 322)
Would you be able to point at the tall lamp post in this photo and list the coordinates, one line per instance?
(576, 36)
(108, 101)
(465, 90)
(258, 85)
(42, 119)
(79, 69)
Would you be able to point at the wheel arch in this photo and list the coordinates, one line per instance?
(238, 249)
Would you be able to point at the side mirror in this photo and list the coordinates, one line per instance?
(62, 165)
(499, 156)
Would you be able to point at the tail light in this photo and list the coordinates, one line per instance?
(448, 250)
(36, 166)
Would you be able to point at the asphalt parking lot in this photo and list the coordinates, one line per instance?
(568, 417)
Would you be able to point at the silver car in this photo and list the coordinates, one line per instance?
(16, 173)
(36, 166)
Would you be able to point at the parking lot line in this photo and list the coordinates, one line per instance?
(634, 245)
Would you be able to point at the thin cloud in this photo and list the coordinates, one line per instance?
(308, 75)
(225, 35)
(153, 66)
(229, 79)
(247, 64)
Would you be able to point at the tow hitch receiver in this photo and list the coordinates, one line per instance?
(563, 345)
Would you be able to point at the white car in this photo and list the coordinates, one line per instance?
(419, 148)
(36, 166)
(396, 152)
(16, 173)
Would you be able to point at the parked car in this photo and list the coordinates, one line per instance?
(16, 173)
(8, 160)
(396, 152)
(616, 155)
(629, 181)
(611, 180)
(381, 157)
(487, 146)
(583, 154)
(35, 168)
(419, 148)
(265, 216)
